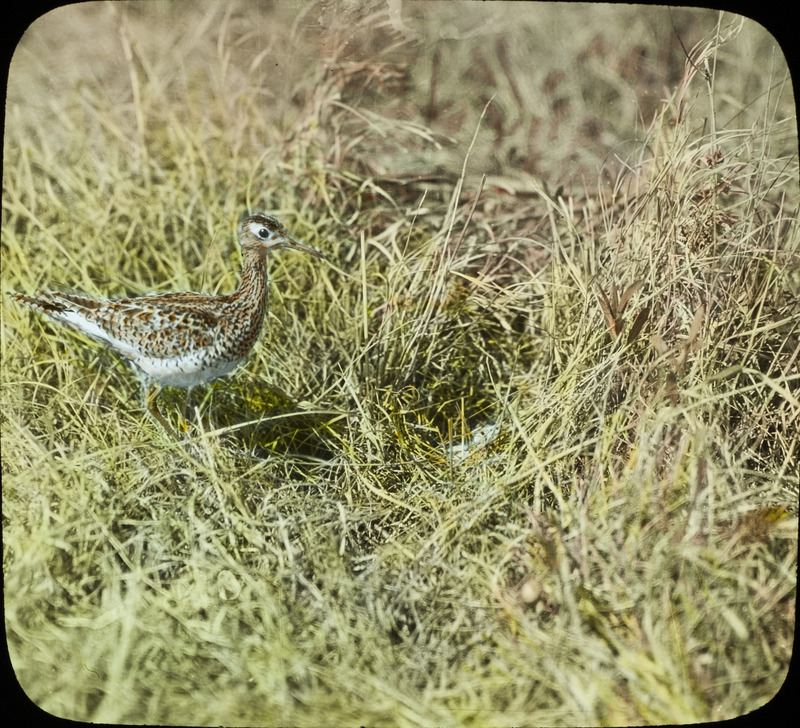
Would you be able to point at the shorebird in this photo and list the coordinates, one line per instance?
(180, 339)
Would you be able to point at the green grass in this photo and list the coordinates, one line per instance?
(523, 450)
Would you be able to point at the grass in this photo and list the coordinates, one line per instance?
(522, 451)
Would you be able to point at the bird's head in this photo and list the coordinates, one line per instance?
(265, 232)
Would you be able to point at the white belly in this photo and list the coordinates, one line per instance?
(184, 371)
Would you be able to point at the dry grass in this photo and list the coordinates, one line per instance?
(522, 451)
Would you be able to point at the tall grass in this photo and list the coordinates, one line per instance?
(523, 450)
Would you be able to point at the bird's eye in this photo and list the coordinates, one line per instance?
(263, 233)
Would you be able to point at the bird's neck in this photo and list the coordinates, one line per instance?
(252, 290)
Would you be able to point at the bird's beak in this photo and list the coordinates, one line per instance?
(289, 243)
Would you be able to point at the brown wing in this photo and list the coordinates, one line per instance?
(159, 325)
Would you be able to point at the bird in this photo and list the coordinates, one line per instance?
(180, 339)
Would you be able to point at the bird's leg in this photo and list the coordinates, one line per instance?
(151, 396)
(187, 409)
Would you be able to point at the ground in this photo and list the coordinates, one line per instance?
(521, 450)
